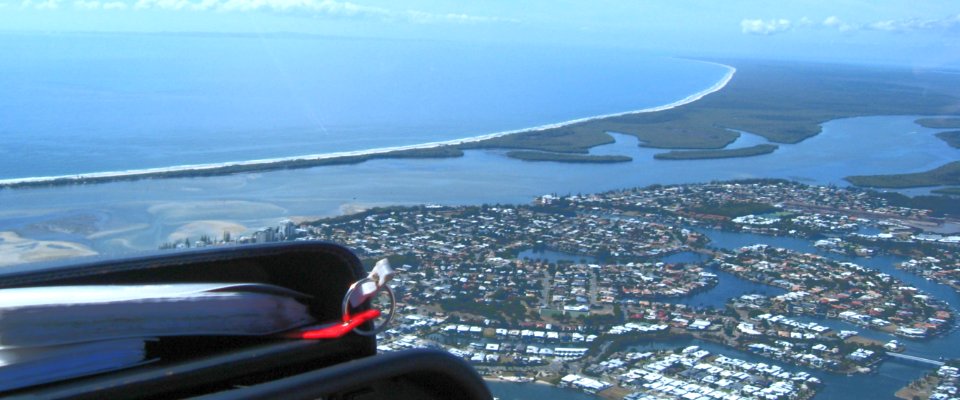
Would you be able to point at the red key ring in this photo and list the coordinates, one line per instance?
(358, 294)
(338, 330)
(390, 310)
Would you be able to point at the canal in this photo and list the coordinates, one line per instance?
(888, 378)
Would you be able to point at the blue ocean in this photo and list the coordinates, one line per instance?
(80, 103)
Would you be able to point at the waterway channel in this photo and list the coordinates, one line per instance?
(882, 384)
(944, 345)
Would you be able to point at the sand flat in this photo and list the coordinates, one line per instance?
(18, 250)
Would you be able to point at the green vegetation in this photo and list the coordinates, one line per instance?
(394, 259)
(785, 103)
(948, 174)
(558, 140)
(432, 152)
(938, 205)
(951, 137)
(782, 102)
(722, 153)
(435, 152)
(736, 209)
(950, 191)
(513, 309)
(614, 318)
(565, 157)
(939, 123)
(600, 350)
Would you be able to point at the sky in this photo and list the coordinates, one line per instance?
(923, 33)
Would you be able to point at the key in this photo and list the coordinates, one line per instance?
(378, 278)
(360, 292)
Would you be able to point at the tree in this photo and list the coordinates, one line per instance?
(618, 312)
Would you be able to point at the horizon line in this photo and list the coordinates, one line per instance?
(212, 167)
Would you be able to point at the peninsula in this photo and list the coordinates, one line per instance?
(951, 137)
(939, 123)
(785, 103)
(948, 174)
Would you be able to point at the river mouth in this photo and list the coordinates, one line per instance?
(478, 177)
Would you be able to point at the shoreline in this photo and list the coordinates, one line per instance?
(491, 378)
(344, 156)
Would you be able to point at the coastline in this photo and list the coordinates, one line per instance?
(336, 157)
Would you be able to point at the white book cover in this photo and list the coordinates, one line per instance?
(57, 315)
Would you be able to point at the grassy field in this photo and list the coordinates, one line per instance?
(722, 153)
(948, 174)
(565, 157)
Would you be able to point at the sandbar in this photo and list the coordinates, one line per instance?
(18, 250)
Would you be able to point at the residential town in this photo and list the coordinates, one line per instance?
(559, 290)
(941, 384)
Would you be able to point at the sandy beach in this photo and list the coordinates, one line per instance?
(149, 172)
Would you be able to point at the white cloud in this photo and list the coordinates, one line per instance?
(331, 8)
(99, 5)
(888, 25)
(765, 27)
(835, 22)
(426, 18)
(772, 26)
(40, 5)
(174, 5)
(915, 24)
(87, 5)
(895, 25)
(322, 8)
(326, 7)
